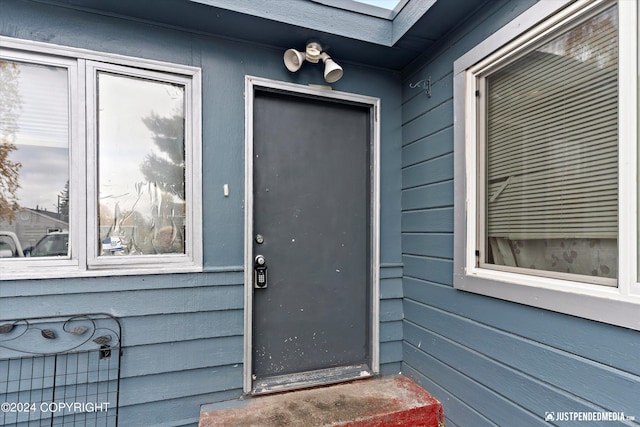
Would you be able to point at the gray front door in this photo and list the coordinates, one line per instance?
(312, 205)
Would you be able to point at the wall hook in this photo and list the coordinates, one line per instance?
(424, 83)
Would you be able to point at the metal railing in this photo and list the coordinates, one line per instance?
(60, 371)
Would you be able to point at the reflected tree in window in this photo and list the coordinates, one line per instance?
(63, 203)
(165, 168)
(166, 172)
(9, 109)
(590, 41)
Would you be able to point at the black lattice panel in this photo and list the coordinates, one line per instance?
(60, 371)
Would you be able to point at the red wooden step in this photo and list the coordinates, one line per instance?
(385, 401)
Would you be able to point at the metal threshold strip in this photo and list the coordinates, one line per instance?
(318, 377)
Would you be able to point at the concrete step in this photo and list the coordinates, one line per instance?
(384, 401)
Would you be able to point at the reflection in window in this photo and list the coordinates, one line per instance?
(34, 156)
(141, 162)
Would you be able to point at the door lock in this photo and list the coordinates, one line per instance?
(260, 272)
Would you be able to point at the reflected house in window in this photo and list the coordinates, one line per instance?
(30, 225)
(133, 234)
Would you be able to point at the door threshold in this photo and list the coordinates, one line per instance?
(308, 379)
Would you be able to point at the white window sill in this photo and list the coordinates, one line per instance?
(595, 302)
(67, 272)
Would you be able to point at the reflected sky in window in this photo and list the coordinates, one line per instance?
(42, 135)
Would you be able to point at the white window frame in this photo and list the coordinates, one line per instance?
(616, 305)
(83, 194)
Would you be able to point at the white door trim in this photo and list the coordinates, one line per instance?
(251, 83)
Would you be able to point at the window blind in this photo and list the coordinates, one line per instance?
(552, 138)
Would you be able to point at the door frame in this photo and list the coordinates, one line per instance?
(252, 84)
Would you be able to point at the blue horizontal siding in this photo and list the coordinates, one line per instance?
(490, 362)
(178, 344)
(393, 368)
(464, 415)
(594, 341)
(167, 357)
(433, 170)
(178, 384)
(428, 221)
(436, 270)
(492, 408)
(176, 412)
(418, 103)
(18, 288)
(435, 121)
(429, 147)
(437, 62)
(432, 195)
(176, 327)
(391, 316)
(391, 310)
(391, 331)
(390, 352)
(183, 333)
(531, 375)
(129, 303)
(428, 244)
(391, 288)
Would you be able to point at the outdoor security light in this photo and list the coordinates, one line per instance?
(313, 53)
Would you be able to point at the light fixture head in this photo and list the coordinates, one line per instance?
(293, 60)
(332, 71)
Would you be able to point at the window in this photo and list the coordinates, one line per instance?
(544, 185)
(550, 146)
(140, 132)
(100, 164)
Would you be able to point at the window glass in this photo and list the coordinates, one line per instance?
(551, 144)
(141, 163)
(34, 159)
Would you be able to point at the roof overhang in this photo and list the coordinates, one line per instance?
(350, 31)
(343, 18)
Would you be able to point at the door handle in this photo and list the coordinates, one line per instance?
(260, 272)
